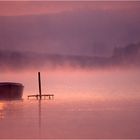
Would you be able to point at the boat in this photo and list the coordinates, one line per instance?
(11, 91)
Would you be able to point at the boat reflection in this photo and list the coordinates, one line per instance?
(10, 109)
(2, 108)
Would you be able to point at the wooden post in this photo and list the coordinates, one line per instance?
(39, 82)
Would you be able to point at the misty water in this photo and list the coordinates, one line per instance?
(87, 104)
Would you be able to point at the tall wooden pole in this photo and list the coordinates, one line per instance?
(39, 82)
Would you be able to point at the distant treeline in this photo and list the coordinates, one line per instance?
(126, 56)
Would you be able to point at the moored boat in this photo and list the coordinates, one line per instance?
(11, 91)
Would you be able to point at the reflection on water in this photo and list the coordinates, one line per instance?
(39, 116)
(87, 105)
(70, 119)
(2, 106)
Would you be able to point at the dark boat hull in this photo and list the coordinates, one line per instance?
(11, 91)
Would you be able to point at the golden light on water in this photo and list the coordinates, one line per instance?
(2, 107)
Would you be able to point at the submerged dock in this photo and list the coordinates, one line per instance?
(40, 95)
(37, 96)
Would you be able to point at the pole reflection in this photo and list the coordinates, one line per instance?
(39, 117)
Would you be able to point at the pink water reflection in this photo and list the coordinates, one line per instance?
(86, 105)
(54, 119)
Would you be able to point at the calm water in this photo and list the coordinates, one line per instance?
(86, 105)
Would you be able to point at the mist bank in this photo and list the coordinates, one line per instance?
(126, 57)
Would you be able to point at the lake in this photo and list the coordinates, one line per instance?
(86, 105)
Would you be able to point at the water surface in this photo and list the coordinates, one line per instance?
(86, 105)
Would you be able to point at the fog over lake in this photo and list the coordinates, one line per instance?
(88, 54)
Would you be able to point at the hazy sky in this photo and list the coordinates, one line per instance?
(79, 28)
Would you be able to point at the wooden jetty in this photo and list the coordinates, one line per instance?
(40, 95)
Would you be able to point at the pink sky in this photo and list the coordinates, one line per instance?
(13, 8)
(65, 28)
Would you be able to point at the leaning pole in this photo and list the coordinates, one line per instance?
(39, 84)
